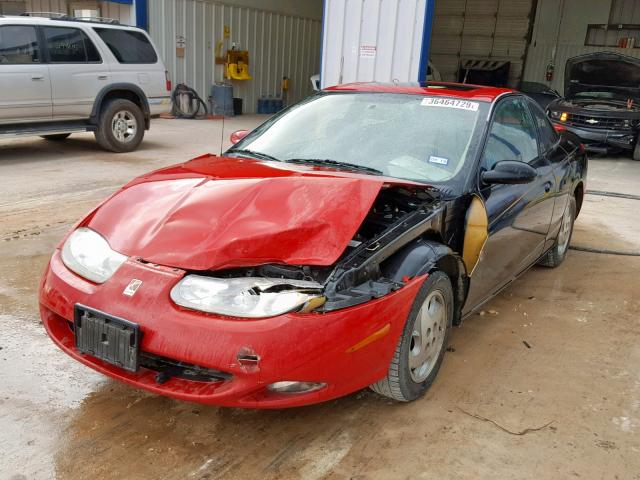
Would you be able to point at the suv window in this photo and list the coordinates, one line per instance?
(19, 45)
(70, 45)
(128, 46)
(513, 134)
(548, 134)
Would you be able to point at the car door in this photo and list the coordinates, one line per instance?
(77, 70)
(518, 215)
(560, 161)
(24, 77)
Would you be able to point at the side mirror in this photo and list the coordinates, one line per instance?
(238, 135)
(509, 172)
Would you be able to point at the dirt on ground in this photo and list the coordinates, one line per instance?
(544, 383)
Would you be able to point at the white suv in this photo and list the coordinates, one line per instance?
(62, 75)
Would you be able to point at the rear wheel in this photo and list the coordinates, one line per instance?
(636, 150)
(57, 137)
(423, 342)
(121, 126)
(556, 255)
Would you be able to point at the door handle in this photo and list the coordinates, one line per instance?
(37, 77)
(102, 77)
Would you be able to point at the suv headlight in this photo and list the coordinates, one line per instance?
(88, 254)
(248, 297)
(553, 114)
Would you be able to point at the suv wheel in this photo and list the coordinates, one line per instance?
(121, 126)
(57, 137)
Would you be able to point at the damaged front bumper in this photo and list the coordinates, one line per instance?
(234, 359)
(602, 140)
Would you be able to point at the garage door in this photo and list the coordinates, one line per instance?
(496, 29)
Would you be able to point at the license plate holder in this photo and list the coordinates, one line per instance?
(111, 339)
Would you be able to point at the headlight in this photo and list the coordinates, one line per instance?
(88, 254)
(249, 297)
(553, 114)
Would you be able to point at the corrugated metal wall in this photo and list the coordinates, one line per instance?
(372, 40)
(124, 13)
(279, 45)
(494, 29)
(553, 40)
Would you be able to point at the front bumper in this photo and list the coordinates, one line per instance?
(317, 347)
(600, 140)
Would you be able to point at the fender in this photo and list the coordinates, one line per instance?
(131, 87)
(423, 256)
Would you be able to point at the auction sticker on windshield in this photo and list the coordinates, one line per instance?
(450, 103)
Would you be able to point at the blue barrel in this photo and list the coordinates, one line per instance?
(222, 99)
(261, 105)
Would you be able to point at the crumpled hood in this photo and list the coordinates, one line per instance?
(602, 72)
(214, 213)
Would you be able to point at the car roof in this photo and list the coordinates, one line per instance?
(62, 20)
(444, 89)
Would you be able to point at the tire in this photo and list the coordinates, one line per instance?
(636, 150)
(557, 254)
(57, 137)
(403, 382)
(120, 127)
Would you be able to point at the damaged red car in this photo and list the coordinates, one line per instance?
(330, 249)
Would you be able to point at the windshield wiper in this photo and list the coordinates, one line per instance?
(335, 163)
(254, 154)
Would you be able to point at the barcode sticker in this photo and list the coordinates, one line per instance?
(450, 103)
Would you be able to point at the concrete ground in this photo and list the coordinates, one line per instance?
(579, 373)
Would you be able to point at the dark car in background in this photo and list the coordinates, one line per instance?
(541, 93)
(601, 102)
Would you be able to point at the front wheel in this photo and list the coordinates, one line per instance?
(557, 254)
(423, 342)
(121, 126)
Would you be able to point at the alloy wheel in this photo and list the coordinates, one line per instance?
(427, 339)
(124, 126)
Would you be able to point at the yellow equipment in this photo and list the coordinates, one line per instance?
(237, 67)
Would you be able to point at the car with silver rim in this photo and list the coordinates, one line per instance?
(330, 249)
(67, 74)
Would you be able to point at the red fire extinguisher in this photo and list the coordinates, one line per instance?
(549, 72)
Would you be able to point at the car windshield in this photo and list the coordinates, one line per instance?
(415, 137)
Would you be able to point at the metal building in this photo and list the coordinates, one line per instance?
(363, 40)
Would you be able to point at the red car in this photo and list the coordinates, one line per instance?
(330, 249)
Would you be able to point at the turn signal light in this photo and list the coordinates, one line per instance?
(564, 116)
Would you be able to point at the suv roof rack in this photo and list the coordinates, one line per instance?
(69, 18)
(52, 15)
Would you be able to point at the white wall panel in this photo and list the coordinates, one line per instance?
(278, 44)
(372, 40)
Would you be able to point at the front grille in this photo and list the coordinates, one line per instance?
(592, 121)
(167, 368)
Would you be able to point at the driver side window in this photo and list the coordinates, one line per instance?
(512, 135)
